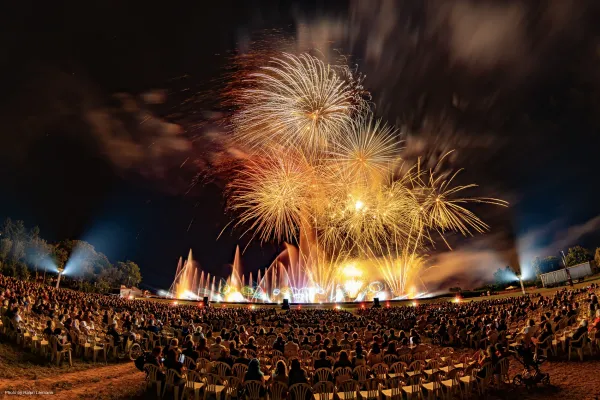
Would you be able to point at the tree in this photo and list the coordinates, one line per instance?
(34, 233)
(577, 255)
(545, 265)
(17, 252)
(111, 277)
(22, 271)
(60, 256)
(131, 273)
(8, 269)
(5, 248)
(38, 253)
(597, 257)
(14, 230)
(504, 275)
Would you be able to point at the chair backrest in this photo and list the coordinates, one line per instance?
(274, 359)
(434, 365)
(211, 381)
(455, 374)
(187, 362)
(435, 378)
(380, 370)
(372, 386)
(204, 354)
(398, 367)
(419, 356)
(446, 351)
(232, 387)
(278, 390)
(239, 370)
(277, 353)
(300, 391)
(323, 390)
(171, 375)
(361, 373)
(348, 390)
(406, 358)
(253, 389)
(581, 338)
(152, 372)
(342, 372)
(53, 343)
(389, 359)
(323, 374)
(504, 364)
(192, 376)
(222, 369)
(416, 366)
(415, 382)
(203, 365)
(395, 384)
(488, 370)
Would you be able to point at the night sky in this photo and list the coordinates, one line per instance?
(86, 151)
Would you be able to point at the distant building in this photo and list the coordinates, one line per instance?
(133, 292)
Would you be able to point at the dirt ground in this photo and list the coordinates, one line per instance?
(23, 372)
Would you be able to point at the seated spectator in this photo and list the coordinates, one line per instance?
(279, 344)
(375, 355)
(581, 330)
(344, 361)
(297, 374)
(491, 357)
(254, 373)
(226, 358)
(233, 351)
(291, 348)
(322, 361)
(595, 325)
(243, 358)
(415, 338)
(359, 358)
(216, 349)
(280, 373)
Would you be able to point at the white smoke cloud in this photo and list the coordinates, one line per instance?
(474, 263)
(484, 34)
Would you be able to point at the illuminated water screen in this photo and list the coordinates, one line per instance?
(285, 279)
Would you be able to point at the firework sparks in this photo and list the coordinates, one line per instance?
(295, 102)
(321, 171)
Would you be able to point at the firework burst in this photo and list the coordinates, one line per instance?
(295, 102)
(322, 172)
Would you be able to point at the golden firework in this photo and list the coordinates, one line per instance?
(295, 101)
(322, 172)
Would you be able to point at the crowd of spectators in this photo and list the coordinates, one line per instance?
(181, 336)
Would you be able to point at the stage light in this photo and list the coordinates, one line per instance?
(175, 303)
(414, 303)
(457, 299)
(130, 297)
(337, 307)
(387, 305)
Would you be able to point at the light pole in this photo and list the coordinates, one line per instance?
(60, 272)
(522, 286)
